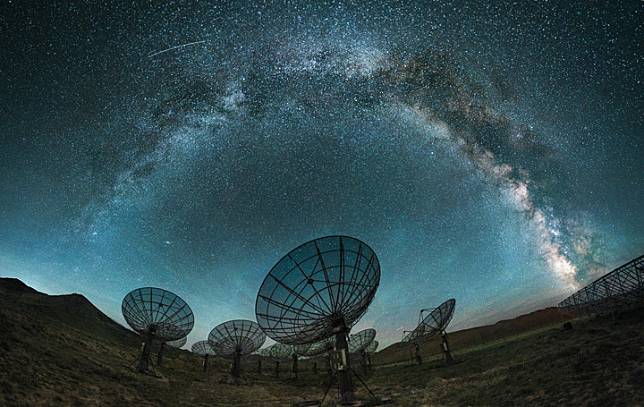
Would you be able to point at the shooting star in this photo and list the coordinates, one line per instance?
(175, 47)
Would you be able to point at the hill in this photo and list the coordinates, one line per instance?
(479, 336)
(61, 350)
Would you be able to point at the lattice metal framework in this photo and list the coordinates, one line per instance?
(238, 336)
(150, 309)
(301, 350)
(279, 351)
(320, 347)
(202, 348)
(318, 289)
(373, 347)
(361, 340)
(621, 288)
(178, 343)
(435, 322)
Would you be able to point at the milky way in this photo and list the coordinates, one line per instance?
(487, 153)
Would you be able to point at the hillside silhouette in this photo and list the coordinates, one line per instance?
(62, 350)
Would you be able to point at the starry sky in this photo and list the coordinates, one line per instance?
(486, 152)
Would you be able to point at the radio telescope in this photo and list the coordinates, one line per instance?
(235, 338)
(320, 347)
(203, 348)
(373, 346)
(156, 315)
(277, 351)
(318, 290)
(435, 323)
(360, 341)
(358, 344)
(175, 344)
(371, 349)
(178, 343)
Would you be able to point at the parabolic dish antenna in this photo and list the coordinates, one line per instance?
(320, 347)
(360, 341)
(235, 338)
(319, 289)
(203, 348)
(370, 350)
(278, 351)
(157, 315)
(435, 322)
(178, 343)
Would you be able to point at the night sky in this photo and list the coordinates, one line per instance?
(491, 153)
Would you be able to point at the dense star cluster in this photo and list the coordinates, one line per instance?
(491, 153)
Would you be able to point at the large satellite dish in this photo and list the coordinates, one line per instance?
(235, 338)
(203, 348)
(435, 323)
(320, 289)
(157, 315)
(317, 290)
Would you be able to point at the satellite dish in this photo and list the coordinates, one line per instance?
(178, 343)
(318, 290)
(360, 341)
(235, 338)
(358, 344)
(370, 350)
(373, 346)
(435, 323)
(277, 352)
(321, 347)
(157, 315)
(203, 348)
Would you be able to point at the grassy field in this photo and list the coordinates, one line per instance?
(62, 351)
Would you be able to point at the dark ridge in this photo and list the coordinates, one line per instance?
(13, 285)
(73, 310)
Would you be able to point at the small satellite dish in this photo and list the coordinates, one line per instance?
(178, 343)
(277, 352)
(370, 350)
(373, 346)
(296, 352)
(235, 338)
(435, 323)
(360, 341)
(157, 315)
(318, 290)
(203, 348)
(320, 347)
(358, 344)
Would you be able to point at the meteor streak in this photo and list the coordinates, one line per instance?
(175, 47)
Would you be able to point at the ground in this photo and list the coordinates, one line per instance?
(60, 350)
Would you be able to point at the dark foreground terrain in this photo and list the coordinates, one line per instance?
(61, 350)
